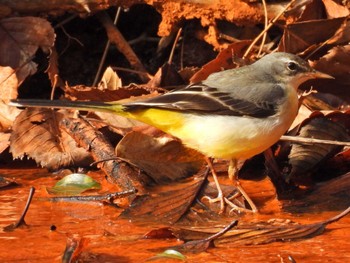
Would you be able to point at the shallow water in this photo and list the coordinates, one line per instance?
(111, 239)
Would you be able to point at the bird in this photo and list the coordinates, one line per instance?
(233, 114)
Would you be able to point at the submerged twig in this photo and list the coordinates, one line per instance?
(337, 217)
(201, 245)
(88, 198)
(21, 221)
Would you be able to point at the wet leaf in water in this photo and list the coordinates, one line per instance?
(74, 246)
(170, 254)
(254, 233)
(166, 203)
(74, 184)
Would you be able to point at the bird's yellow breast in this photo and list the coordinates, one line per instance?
(223, 136)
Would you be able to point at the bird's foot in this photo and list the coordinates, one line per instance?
(220, 198)
(232, 202)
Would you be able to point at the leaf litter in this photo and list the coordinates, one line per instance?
(56, 148)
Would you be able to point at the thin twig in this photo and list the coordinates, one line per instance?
(174, 46)
(65, 21)
(265, 25)
(222, 231)
(268, 27)
(305, 140)
(337, 217)
(105, 51)
(123, 46)
(21, 221)
(132, 71)
(89, 198)
(54, 87)
(339, 31)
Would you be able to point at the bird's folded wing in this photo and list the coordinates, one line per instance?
(202, 99)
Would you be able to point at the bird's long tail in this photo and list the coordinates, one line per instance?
(78, 105)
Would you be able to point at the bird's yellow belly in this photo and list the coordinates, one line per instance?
(221, 136)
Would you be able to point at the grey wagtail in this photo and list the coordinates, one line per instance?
(233, 114)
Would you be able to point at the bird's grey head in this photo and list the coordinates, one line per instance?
(287, 68)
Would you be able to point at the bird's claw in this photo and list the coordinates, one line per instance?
(220, 198)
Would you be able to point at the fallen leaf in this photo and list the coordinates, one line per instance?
(301, 35)
(304, 158)
(4, 141)
(8, 84)
(169, 254)
(5, 183)
(20, 39)
(53, 70)
(166, 76)
(336, 63)
(333, 195)
(162, 158)
(74, 247)
(36, 133)
(74, 184)
(166, 204)
(225, 60)
(257, 233)
(198, 246)
(335, 10)
(7, 116)
(110, 80)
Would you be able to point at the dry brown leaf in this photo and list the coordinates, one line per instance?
(36, 133)
(52, 70)
(8, 84)
(166, 76)
(198, 246)
(324, 101)
(166, 204)
(303, 159)
(20, 39)
(335, 63)
(225, 60)
(7, 116)
(4, 141)
(301, 35)
(333, 195)
(342, 36)
(255, 233)
(334, 9)
(163, 158)
(110, 80)
(304, 10)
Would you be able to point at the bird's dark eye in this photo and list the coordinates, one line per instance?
(292, 66)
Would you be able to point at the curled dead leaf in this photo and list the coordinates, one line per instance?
(304, 158)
